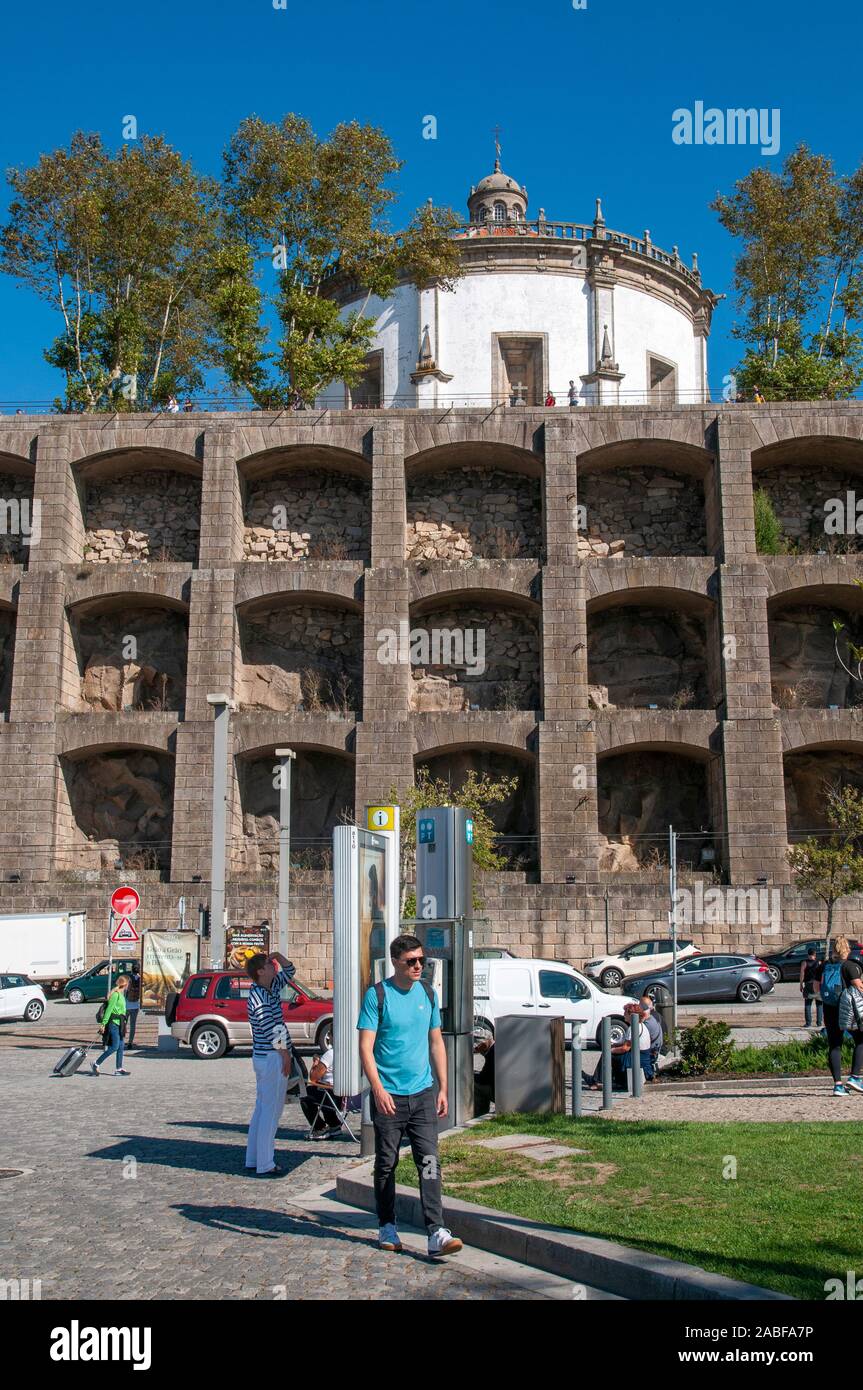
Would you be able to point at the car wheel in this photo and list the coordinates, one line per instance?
(749, 992)
(34, 1011)
(619, 1032)
(324, 1035)
(775, 974)
(659, 995)
(209, 1041)
(76, 996)
(611, 979)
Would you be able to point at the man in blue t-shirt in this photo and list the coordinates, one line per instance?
(400, 1041)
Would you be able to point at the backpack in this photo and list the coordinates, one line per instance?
(379, 994)
(101, 1012)
(832, 983)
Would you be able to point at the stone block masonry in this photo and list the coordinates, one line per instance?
(629, 626)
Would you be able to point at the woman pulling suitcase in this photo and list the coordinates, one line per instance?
(113, 1027)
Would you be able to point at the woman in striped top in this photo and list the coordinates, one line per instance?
(272, 1066)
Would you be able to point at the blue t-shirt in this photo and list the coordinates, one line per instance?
(401, 1047)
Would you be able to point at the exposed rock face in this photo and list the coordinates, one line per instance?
(804, 668)
(514, 818)
(153, 678)
(7, 651)
(152, 515)
(497, 652)
(17, 492)
(799, 494)
(302, 657)
(808, 778)
(307, 515)
(647, 656)
(641, 511)
(638, 796)
(473, 512)
(322, 794)
(121, 804)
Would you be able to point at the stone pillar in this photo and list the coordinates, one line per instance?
(384, 741)
(733, 483)
(389, 507)
(193, 803)
(755, 801)
(42, 642)
(566, 792)
(560, 490)
(221, 500)
(57, 497)
(212, 654)
(27, 801)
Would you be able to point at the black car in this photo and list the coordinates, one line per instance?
(785, 964)
(708, 978)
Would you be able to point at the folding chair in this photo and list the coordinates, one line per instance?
(327, 1109)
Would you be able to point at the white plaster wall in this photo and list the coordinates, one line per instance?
(529, 302)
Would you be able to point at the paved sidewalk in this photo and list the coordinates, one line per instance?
(807, 1098)
(137, 1191)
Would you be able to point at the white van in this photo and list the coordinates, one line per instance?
(518, 986)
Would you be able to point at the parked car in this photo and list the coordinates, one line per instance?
(654, 954)
(707, 978)
(210, 1013)
(21, 998)
(93, 984)
(785, 964)
(538, 986)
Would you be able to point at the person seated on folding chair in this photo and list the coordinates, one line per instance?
(322, 1109)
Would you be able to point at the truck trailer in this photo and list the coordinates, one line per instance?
(48, 947)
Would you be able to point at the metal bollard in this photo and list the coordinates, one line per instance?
(607, 1091)
(577, 1097)
(635, 1056)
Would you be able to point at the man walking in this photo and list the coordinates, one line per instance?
(400, 1041)
(807, 989)
(272, 1066)
(133, 1002)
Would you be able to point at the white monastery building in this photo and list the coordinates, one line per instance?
(541, 304)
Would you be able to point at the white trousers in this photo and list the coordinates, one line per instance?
(271, 1086)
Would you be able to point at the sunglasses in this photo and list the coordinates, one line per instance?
(411, 961)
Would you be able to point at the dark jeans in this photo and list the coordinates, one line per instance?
(416, 1118)
(807, 1010)
(132, 1015)
(114, 1044)
(834, 1042)
(328, 1118)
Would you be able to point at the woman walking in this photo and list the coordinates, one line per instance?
(113, 1027)
(832, 979)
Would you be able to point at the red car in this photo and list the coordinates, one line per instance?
(210, 1014)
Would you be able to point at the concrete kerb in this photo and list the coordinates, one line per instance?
(602, 1264)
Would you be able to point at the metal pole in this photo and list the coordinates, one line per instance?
(607, 1088)
(672, 866)
(221, 724)
(577, 1097)
(607, 932)
(367, 1129)
(110, 948)
(286, 757)
(635, 1055)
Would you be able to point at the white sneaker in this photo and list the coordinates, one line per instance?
(443, 1242)
(388, 1238)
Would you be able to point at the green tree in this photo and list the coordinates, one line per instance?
(475, 794)
(831, 866)
(768, 531)
(119, 246)
(798, 278)
(311, 210)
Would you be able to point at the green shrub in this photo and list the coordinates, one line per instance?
(768, 532)
(705, 1047)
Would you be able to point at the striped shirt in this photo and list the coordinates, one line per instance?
(265, 1013)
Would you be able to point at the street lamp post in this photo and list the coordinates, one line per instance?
(222, 706)
(286, 756)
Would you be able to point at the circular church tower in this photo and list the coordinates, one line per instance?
(587, 314)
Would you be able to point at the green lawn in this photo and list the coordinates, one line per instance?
(789, 1221)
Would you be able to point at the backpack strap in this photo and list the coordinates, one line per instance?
(379, 992)
(429, 993)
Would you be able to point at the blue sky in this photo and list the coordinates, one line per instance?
(584, 99)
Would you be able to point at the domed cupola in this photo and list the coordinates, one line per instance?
(497, 198)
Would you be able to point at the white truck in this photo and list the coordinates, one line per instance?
(48, 947)
(521, 986)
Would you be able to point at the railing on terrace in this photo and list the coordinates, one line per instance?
(580, 231)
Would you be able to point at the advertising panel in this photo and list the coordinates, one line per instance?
(168, 958)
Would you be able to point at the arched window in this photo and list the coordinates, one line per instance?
(481, 214)
(500, 212)
(516, 213)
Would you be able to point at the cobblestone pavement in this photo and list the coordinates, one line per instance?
(136, 1190)
(809, 1098)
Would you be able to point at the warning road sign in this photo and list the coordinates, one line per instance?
(124, 931)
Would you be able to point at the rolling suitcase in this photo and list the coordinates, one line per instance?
(70, 1061)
